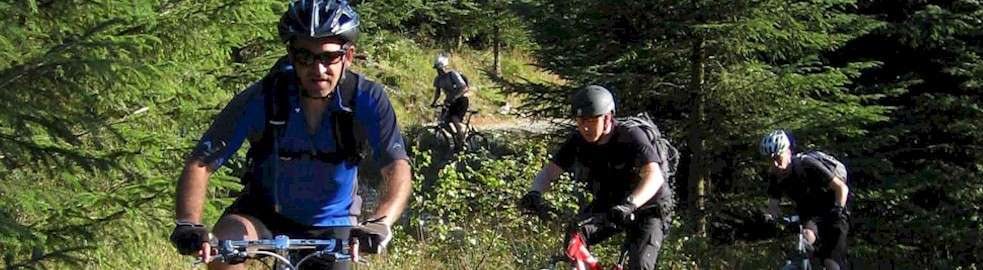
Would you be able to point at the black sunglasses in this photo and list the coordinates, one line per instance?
(305, 57)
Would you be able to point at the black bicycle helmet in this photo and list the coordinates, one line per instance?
(592, 100)
(319, 19)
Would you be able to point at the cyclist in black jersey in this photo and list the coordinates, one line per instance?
(455, 88)
(819, 191)
(622, 171)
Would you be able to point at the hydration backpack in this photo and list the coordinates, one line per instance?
(668, 158)
(668, 155)
(831, 163)
(277, 110)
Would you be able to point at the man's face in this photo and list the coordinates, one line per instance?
(780, 162)
(319, 63)
(592, 127)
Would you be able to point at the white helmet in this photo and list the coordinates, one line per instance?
(442, 60)
(774, 143)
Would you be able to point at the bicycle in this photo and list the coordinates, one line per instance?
(798, 258)
(578, 257)
(286, 251)
(446, 135)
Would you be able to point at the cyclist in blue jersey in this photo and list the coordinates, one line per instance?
(305, 121)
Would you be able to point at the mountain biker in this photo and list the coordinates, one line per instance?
(455, 88)
(819, 194)
(301, 178)
(622, 174)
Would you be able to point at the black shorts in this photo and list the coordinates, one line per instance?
(831, 238)
(456, 110)
(281, 225)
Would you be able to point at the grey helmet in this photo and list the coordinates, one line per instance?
(319, 19)
(442, 61)
(592, 100)
(774, 143)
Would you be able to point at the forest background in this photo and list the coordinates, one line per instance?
(101, 101)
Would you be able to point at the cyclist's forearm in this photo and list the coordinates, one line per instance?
(841, 190)
(462, 93)
(652, 180)
(191, 188)
(545, 177)
(436, 96)
(396, 190)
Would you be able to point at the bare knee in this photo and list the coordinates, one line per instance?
(810, 236)
(237, 227)
(831, 264)
(240, 227)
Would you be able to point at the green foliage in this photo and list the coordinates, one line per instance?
(103, 100)
(451, 24)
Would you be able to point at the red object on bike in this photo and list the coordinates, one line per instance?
(577, 252)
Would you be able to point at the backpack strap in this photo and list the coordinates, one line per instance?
(347, 146)
(276, 109)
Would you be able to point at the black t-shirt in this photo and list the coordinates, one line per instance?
(611, 169)
(807, 184)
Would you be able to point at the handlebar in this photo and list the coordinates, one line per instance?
(280, 245)
(790, 220)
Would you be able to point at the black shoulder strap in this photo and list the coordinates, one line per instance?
(276, 110)
(347, 145)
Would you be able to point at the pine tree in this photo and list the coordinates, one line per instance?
(101, 101)
(923, 165)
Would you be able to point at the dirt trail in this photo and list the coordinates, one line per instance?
(524, 124)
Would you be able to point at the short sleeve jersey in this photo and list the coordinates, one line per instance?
(611, 170)
(451, 82)
(807, 184)
(309, 191)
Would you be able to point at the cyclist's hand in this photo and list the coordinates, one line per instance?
(839, 213)
(533, 203)
(621, 214)
(769, 218)
(372, 236)
(190, 238)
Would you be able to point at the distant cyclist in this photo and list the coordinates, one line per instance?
(302, 168)
(623, 174)
(817, 183)
(455, 88)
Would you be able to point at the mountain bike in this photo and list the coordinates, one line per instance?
(798, 256)
(445, 135)
(577, 256)
(289, 253)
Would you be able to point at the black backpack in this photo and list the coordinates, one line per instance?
(830, 162)
(668, 155)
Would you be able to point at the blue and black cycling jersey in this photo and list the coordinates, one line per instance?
(309, 191)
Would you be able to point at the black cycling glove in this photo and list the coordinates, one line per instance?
(839, 213)
(621, 214)
(533, 202)
(372, 236)
(187, 237)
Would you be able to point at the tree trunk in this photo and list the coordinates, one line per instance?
(460, 39)
(497, 48)
(698, 170)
